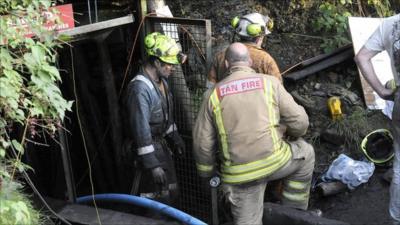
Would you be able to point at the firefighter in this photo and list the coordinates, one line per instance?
(150, 110)
(387, 37)
(251, 30)
(238, 131)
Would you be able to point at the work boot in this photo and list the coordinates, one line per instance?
(315, 212)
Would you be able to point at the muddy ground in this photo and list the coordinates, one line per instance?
(293, 41)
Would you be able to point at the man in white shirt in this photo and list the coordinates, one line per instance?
(387, 37)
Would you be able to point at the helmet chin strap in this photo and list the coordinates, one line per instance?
(260, 40)
(153, 73)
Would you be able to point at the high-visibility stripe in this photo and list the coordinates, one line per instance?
(171, 129)
(259, 173)
(204, 168)
(220, 125)
(269, 101)
(259, 164)
(295, 196)
(145, 80)
(297, 185)
(145, 150)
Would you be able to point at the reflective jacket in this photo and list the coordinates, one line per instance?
(240, 122)
(262, 63)
(150, 118)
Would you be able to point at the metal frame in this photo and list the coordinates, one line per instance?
(194, 198)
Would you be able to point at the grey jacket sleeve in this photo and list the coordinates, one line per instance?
(139, 108)
(291, 114)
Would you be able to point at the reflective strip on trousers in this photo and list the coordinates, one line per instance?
(204, 168)
(297, 191)
(220, 124)
(296, 197)
(297, 185)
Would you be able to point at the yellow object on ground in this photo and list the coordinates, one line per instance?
(334, 106)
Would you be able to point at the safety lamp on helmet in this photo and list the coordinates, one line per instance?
(181, 57)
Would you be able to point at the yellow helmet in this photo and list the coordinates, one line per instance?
(377, 146)
(252, 25)
(164, 48)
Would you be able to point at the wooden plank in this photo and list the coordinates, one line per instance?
(326, 55)
(85, 29)
(361, 29)
(327, 62)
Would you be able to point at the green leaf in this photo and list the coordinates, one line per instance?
(6, 59)
(20, 113)
(4, 173)
(30, 61)
(53, 71)
(38, 53)
(40, 83)
(17, 146)
(37, 111)
(7, 91)
(2, 152)
(3, 123)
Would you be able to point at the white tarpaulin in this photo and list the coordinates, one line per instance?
(361, 29)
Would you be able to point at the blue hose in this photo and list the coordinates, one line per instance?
(146, 203)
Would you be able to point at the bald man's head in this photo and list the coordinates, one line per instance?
(237, 54)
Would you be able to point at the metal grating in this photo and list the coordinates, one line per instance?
(188, 84)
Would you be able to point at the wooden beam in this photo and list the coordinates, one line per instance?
(323, 64)
(87, 29)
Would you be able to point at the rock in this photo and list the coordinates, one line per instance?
(330, 188)
(330, 135)
(333, 77)
(317, 86)
(337, 90)
(304, 101)
(319, 93)
(348, 84)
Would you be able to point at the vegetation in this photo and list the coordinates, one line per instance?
(29, 96)
(332, 19)
(333, 23)
(15, 206)
(352, 127)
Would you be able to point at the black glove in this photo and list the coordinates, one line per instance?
(176, 143)
(159, 176)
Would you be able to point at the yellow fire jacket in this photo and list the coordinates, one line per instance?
(240, 123)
